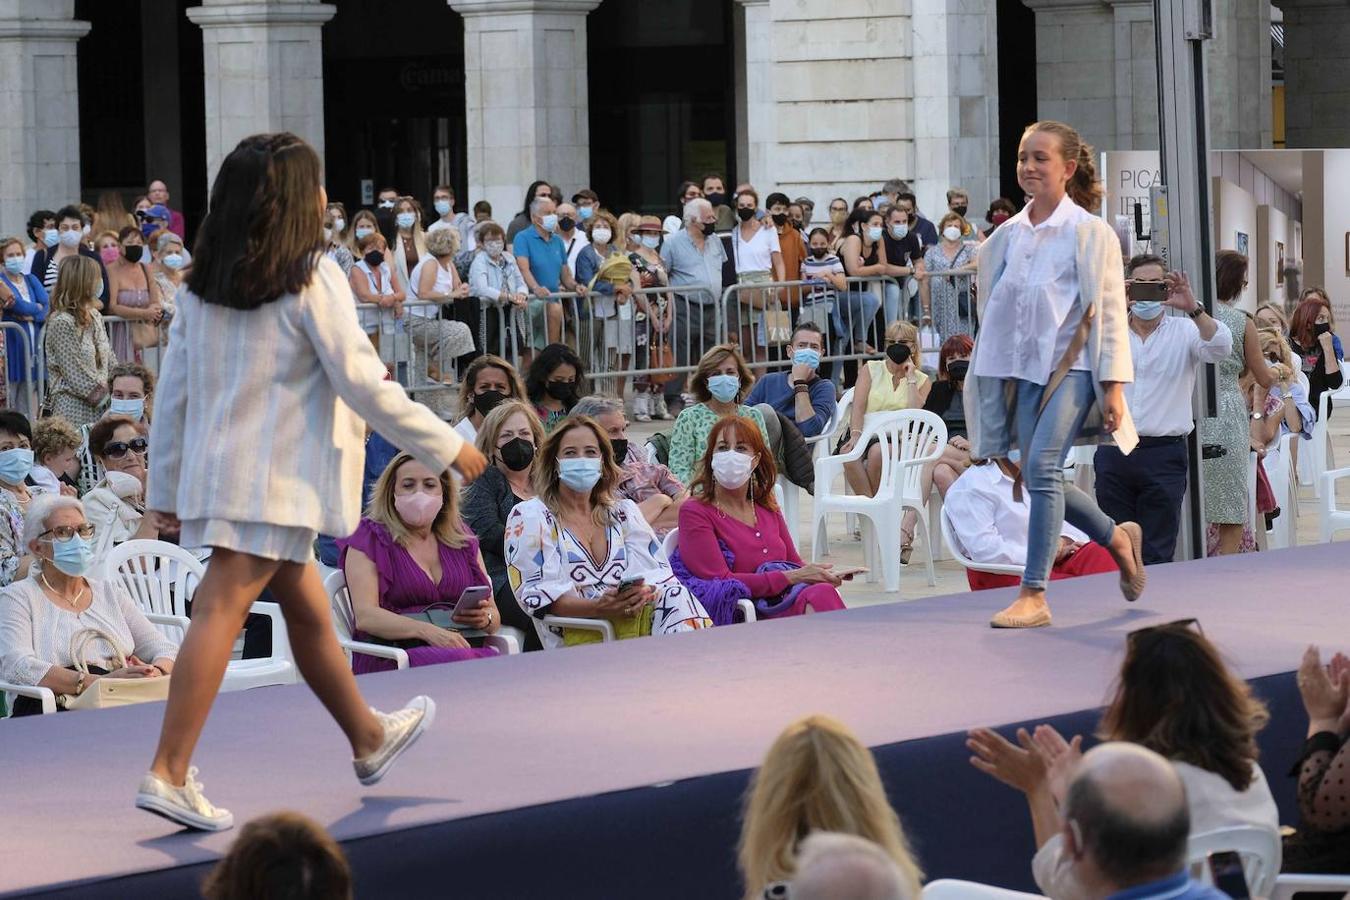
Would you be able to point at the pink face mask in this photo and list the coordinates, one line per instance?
(417, 510)
(109, 255)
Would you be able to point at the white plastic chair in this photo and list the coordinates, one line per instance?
(507, 640)
(162, 577)
(1082, 460)
(952, 889)
(1333, 517)
(1284, 484)
(747, 607)
(1259, 848)
(910, 439)
(45, 695)
(818, 446)
(1286, 886)
(959, 553)
(1323, 456)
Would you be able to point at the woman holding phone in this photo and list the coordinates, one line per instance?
(257, 446)
(411, 551)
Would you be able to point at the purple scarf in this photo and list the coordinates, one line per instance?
(719, 595)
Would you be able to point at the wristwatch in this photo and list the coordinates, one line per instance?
(1195, 313)
(1256, 416)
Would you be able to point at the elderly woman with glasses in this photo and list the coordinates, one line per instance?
(116, 504)
(40, 614)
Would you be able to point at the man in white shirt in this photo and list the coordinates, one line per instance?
(1148, 485)
(991, 528)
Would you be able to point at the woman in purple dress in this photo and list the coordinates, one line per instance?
(410, 551)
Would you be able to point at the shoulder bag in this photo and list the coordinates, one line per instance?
(107, 692)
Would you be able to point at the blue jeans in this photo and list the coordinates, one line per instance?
(854, 312)
(1052, 432)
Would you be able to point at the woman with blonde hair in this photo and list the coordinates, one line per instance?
(817, 776)
(1268, 315)
(410, 241)
(79, 356)
(577, 550)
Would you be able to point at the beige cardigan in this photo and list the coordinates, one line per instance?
(1101, 279)
(258, 416)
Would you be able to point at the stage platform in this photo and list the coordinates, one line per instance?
(617, 770)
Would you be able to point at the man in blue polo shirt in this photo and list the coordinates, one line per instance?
(542, 258)
(801, 395)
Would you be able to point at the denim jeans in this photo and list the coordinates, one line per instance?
(854, 312)
(893, 294)
(1043, 454)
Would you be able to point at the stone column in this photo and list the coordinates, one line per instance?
(528, 114)
(1238, 65)
(1316, 72)
(39, 109)
(755, 129)
(263, 71)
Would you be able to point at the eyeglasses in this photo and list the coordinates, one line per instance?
(118, 449)
(66, 532)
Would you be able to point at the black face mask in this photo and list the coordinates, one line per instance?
(487, 401)
(800, 226)
(898, 353)
(620, 446)
(960, 210)
(374, 258)
(133, 253)
(561, 390)
(567, 223)
(716, 199)
(780, 218)
(745, 215)
(1321, 327)
(819, 252)
(708, 228)
(957, 369)
(517, 454)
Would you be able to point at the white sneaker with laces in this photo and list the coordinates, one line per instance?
(401, 730)
(641, 408)
(659, 410)
(184, 805)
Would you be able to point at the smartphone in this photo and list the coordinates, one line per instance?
(631, 582)
(471, 599)
(848, 572)
(1229, 877)
(1146, 290)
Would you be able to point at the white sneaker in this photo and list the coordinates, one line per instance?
(659, 410)
(641, 408)
(184, 805)
(401, 730)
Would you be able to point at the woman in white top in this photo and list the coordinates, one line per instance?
(488, 382)
(378, 298)
(42, 613)
(1176, 697)
(1053, 350)
(759, 260)
(437, 343)
(256, 447)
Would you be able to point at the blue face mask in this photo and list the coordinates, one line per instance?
(133, 408)
(405, 219)
(51, 237)
(15, 464)
(364, 231)
(14, 265)
(585, 212)
(1146, 309)
(724, 388)
(72, 557)
(806, 357)
(443, 207)
(550, 222)
(874, 234)
(580, 474)
(651, 241)
(173, 260)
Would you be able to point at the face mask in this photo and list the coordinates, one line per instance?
(960, 210)
(15, 465)
(14, 265)
(1147, 310)
(957, 369)
(585, 213)
(173, 261)
(731, 469)
(805, 356)
(716, 199)
(386, 204)
(567, 223)
(952, 233)
(780, 218)
(724, 388)
(123, 484)
(487, 401)
(819, 252)
(561, 390)
(405, 219)
(1321, 327)
(443, 207)
(363, 231)
(85, 229)
(374, 259)
(495, 248)
(899, 231)
(745, 215)
(132, 408)
(70, 239)
(579, 474)
(837, 216)
(339, 225)
(109, 255)
(998, 218)
(550, 222)
(898, 353)
(708, 228)
(72, 557)
(517, 454)
(418, 509)
(620, 446)
(601, 235)
(874, 234)
(878, 200)
(133, 253)
(98, 289)
(651, 241)
(51, 237)
(327, 233)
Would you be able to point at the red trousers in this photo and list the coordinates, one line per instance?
(1089, 560)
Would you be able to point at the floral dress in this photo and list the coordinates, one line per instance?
(78, 361)
(1225, 477)
(11, 535)
(945, 292)
(544, 561)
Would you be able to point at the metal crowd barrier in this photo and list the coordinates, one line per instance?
(31, 385)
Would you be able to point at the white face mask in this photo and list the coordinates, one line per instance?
(952, 233)
(731, 469)
(123, 485)
(339, 225)
(601, 235)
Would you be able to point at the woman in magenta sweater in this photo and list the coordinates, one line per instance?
(733, 541)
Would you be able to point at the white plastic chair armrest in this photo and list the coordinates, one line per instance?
(505, 644)
(1329, 479)
(1286, 886)
(603, 627)
(180, 622)
(45, 695)
(281, 639)
(383, 651)
(747, 608)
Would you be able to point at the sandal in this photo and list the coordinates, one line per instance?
(1131, 588)
(906, 546)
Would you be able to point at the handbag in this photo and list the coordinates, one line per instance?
(144, 334)
(440, 616)
(107, 692)
(775, 325)
(660, 355)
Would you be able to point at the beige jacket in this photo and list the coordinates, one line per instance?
(1101, 279)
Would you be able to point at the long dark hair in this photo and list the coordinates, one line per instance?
(530, 194)
(264, 232)
(542, 366)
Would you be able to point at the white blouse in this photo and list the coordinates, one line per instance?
(444, 284)
(1032, 314)
(371, 315)
(756, 254)
(35, 633)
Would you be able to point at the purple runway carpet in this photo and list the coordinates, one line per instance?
(617, 770)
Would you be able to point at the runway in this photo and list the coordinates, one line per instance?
(617, 770)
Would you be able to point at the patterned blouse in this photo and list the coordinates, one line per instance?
(78, 360)
(689, 440)
(11, 535)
